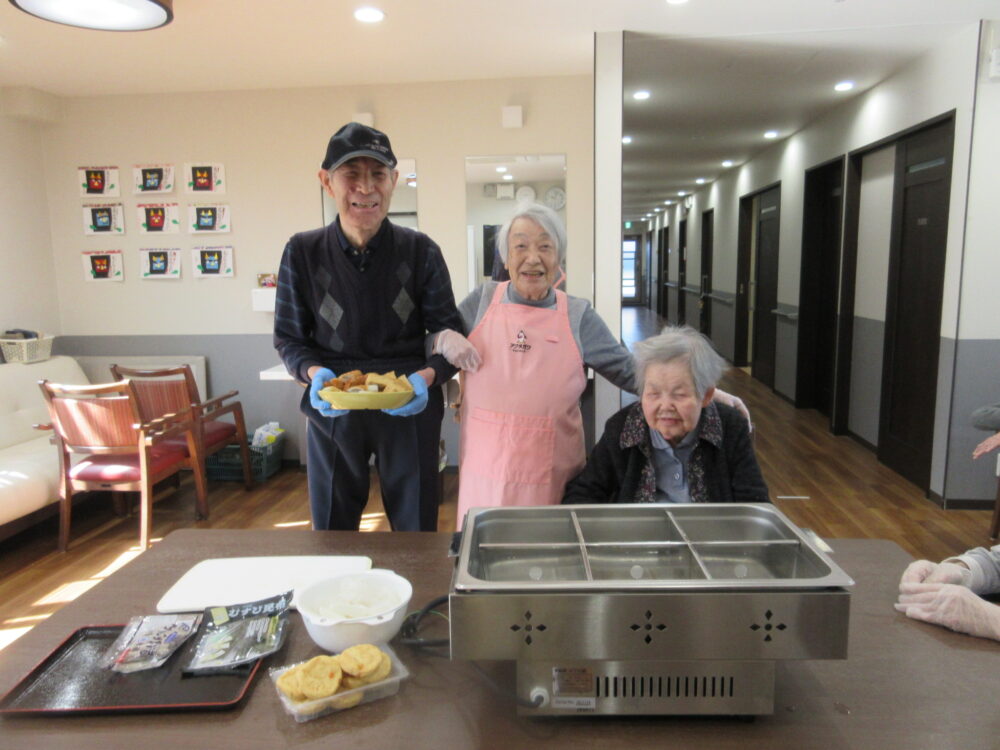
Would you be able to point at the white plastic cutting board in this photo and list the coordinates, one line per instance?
(233, 580)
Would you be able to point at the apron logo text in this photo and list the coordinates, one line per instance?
(521, 345)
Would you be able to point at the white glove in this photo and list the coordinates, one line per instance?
(457, 350)
(924, 571)
(734, 401)
(954, 607)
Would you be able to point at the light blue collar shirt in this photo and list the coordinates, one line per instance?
(670, 466)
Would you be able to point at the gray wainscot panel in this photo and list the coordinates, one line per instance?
(786, 349)
(723, 322)
(866, 378)
(976, 384)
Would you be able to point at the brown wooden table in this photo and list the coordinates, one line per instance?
(905, 685)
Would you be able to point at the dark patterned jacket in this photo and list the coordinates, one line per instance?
(330, 313)
(722, 467)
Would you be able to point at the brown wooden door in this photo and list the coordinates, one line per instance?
(913, 309)
(681, 271)
(741, 325)
(707, 241)
(818, 288)
(663, 276)
(765, 329)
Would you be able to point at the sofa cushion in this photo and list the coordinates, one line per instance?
(29, 477)
(21, 401)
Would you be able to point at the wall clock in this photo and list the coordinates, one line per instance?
(555, 198)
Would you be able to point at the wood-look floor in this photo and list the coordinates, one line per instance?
(827, 483)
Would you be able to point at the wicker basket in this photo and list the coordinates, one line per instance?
(27, 350)
(226, 465)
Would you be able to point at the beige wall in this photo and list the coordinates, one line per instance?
(28, 299)
(271, 143)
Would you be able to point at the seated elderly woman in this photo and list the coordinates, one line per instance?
(524, 371)
(947, 593)
(675, 445)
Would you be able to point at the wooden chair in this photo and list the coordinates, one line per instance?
(120, 452)
(173, 389)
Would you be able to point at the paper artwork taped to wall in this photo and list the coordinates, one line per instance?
(159, 263)
(202, 177)
(212, 262)
(97, 181)
(103, 265)
(158, 218)
(209, 217)
(152, 178)
(104, 218)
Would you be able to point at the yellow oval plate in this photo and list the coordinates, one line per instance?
(344, 400)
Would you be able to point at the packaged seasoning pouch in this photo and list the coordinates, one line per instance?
(239, 634)
(148, 641)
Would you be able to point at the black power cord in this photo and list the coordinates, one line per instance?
(409, 636)
(409, 631)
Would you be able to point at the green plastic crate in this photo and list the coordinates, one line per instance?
(226, 465)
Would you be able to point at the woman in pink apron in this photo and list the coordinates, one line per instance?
(524, 364)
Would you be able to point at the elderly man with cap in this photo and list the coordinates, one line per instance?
(361, 294)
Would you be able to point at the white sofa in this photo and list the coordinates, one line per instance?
(29, 463)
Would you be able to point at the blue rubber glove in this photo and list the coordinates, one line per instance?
(323, 407)
(416, 404)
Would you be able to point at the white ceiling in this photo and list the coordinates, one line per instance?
(713, 65)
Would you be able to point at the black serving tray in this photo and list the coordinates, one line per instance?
(70, 680)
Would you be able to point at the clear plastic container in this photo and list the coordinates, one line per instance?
(309, 710)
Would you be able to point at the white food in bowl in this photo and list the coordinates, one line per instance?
(353, 608)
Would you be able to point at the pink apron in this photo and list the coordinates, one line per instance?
(522, 432)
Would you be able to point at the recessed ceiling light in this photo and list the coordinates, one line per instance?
(640, 95)
(626, 139)
(844, 86)
(501, 169)
(771, 134)
(658, 208)
(727, 163)
(508, 177)
(411, 183)
(681, 193)
(367, 14)
(700, 181)
(106, 15)
(669, 203)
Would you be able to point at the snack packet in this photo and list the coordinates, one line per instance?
(148, 641)
(240, 634)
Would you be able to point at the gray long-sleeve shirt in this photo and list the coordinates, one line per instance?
(987, 418)
(985, 566)
(599, 348)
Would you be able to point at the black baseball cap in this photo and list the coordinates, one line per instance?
(354, 140)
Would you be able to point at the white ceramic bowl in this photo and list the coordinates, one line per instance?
(352, 608)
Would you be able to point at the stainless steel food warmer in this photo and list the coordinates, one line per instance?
(645, 609)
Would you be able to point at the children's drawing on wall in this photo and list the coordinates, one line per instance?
(159, 263)
(205, 178)
(212, 262)
(103, 265)
(162, 218)
(98, 181)
(213, 217)
(153, 178)
(267, 280)
(104, 218)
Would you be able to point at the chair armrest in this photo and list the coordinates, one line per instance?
(167, 426)
(214, 403)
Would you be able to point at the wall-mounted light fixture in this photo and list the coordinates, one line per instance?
(103, 15)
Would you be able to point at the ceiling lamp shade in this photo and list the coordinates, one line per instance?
(106, 15)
